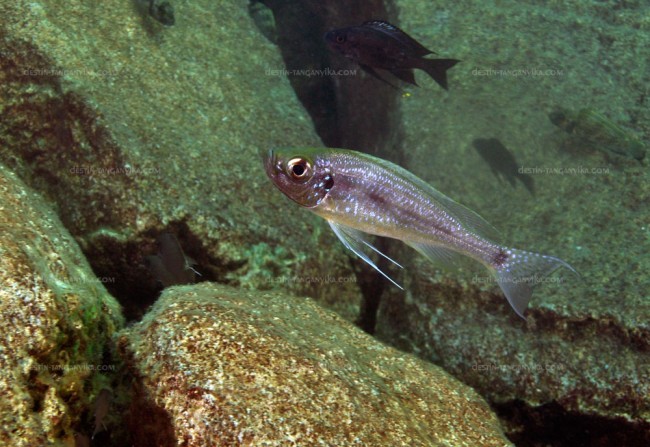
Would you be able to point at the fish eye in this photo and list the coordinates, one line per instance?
(340, 38)
(299, 169)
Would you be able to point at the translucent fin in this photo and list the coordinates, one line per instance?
(470, 220)
(523, 270)
(442, 256)
(353, 240)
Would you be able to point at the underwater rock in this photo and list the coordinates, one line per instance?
(232, 367)
(56, 319)
(585, 345)
(133, 132)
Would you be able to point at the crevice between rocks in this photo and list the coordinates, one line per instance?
(550, 425)
(353, 112)
(125, 273)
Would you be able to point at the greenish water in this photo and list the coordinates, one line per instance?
(131, 133)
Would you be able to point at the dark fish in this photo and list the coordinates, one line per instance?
(359, 194)
(378, 44)
(170, 266)
(162, 11)
(593, 130)
(502, 162)
(102, 405)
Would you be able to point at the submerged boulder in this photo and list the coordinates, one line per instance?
(231, 367)
(137, 128)
(56, 318)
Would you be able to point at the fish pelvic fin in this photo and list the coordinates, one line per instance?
(521, 272)
(436, 68)
(354, 241)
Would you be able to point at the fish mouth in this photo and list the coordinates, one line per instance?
(269, 158)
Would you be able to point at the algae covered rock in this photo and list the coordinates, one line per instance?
(255, 368)
(140, 128)
(56, 319)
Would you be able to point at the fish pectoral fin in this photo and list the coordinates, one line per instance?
(444, 257)
(353, 241)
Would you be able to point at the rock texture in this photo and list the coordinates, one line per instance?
(135, 128)
(252, 368)
(56, 319)
(585, 345)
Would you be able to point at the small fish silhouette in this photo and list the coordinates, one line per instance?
(378, 44)
(162, 12)
(502, 162)
(597, 132)
(102, 405)
(170, 266)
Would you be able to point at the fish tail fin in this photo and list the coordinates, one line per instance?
(437, 69)
(521, 272)
(528, 182)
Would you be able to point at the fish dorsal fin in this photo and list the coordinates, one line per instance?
(470, 220)
(353, 241)
(398, 34)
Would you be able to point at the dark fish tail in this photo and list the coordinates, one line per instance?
(528, 182)
(436, 68)
(521, 272)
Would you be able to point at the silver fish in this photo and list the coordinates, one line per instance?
(359, 194)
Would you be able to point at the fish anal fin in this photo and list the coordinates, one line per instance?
(405, 74)
(371, 71)
(353, 241)
(436, 68)
(444, 257)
